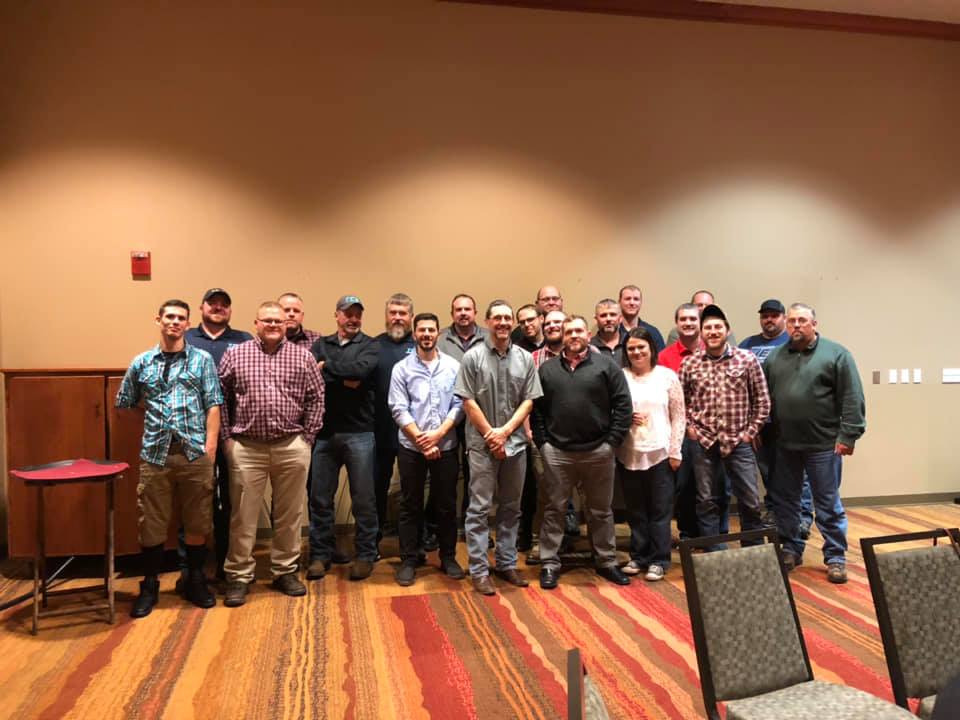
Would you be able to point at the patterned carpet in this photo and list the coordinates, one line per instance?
(434, 650)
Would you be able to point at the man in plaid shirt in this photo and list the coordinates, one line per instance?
(727, 404)
(273, 409)
(181, 397)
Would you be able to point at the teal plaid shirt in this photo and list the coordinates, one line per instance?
(175, 408)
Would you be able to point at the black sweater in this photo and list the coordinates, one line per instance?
(582, 409)
(347, 410)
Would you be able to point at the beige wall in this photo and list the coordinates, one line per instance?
(371, 147)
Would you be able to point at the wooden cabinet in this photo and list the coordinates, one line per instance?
(56, 415)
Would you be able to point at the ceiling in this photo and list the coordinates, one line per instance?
(936, 10)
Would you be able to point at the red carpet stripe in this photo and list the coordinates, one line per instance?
(80, 677)
(445, 680)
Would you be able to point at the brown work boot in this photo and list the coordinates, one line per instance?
(483, 585)
(511, 576)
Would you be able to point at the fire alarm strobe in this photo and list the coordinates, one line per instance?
(140, 263)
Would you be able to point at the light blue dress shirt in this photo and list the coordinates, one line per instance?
(425, 396)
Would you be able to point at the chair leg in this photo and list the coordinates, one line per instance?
(110, 549)
(42, 544)
(36, 588)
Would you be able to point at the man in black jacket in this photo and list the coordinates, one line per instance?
(347, 359)
(584, 414)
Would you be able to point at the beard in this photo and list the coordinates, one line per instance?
(397, 332)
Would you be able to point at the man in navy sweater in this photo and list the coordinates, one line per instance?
(583, 416)
(393, 345)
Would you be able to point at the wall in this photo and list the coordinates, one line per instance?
(370, 147)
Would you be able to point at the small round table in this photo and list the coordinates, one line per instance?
(66, 472)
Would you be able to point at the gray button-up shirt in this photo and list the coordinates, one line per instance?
(498, 384)
(451, 344)
(421, 395)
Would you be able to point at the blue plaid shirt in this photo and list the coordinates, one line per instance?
(175, 408)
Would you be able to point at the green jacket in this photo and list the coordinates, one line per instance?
(817, 396)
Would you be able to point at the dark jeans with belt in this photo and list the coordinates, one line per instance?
(648, 495)
(685, 496)
(414, 468)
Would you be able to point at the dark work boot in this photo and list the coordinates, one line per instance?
(196, 590)
(149, 594)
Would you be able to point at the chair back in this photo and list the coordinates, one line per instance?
(916, 593)
(745, 625)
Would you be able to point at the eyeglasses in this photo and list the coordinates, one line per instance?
(270, 321)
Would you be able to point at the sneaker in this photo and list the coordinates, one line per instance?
(236, 594)
(406, 575)
(837, 573)
(632, 568)
(654, 573)
(289, 584)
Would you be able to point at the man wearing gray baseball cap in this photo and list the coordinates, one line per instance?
(348, 361)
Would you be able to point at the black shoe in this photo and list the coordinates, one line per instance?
(148, 597)
(317, 568)
(197, 591)
(571, 525)
(406, 575)
(236, 594)
(339, 558)
(430, 542)
(289, 584)
(614, 575)
(524, 542)
(452, 569)
(549, 577)
(180, 588)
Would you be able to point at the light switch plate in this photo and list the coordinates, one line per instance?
(892, 376)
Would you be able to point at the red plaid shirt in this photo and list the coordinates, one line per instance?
(726, 397)
(268, 396)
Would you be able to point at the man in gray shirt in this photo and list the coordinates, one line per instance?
(498, 383)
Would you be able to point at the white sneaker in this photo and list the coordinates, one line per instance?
(631, 568)
(654, 573)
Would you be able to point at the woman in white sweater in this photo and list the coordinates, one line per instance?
(649, 454)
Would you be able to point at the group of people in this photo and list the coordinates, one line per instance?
(526, 408)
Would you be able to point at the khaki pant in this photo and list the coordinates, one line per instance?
(191, 483)
(284, 463)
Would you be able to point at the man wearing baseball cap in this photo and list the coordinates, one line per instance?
(348, 360)
(727, 404)
(773, 334)
(215, 335)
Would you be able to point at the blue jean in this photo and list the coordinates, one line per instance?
(356, 451)
(823, 469)
(489, 478)
(685, 496)
(740, 467)
(648, 495)
(766, 461)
